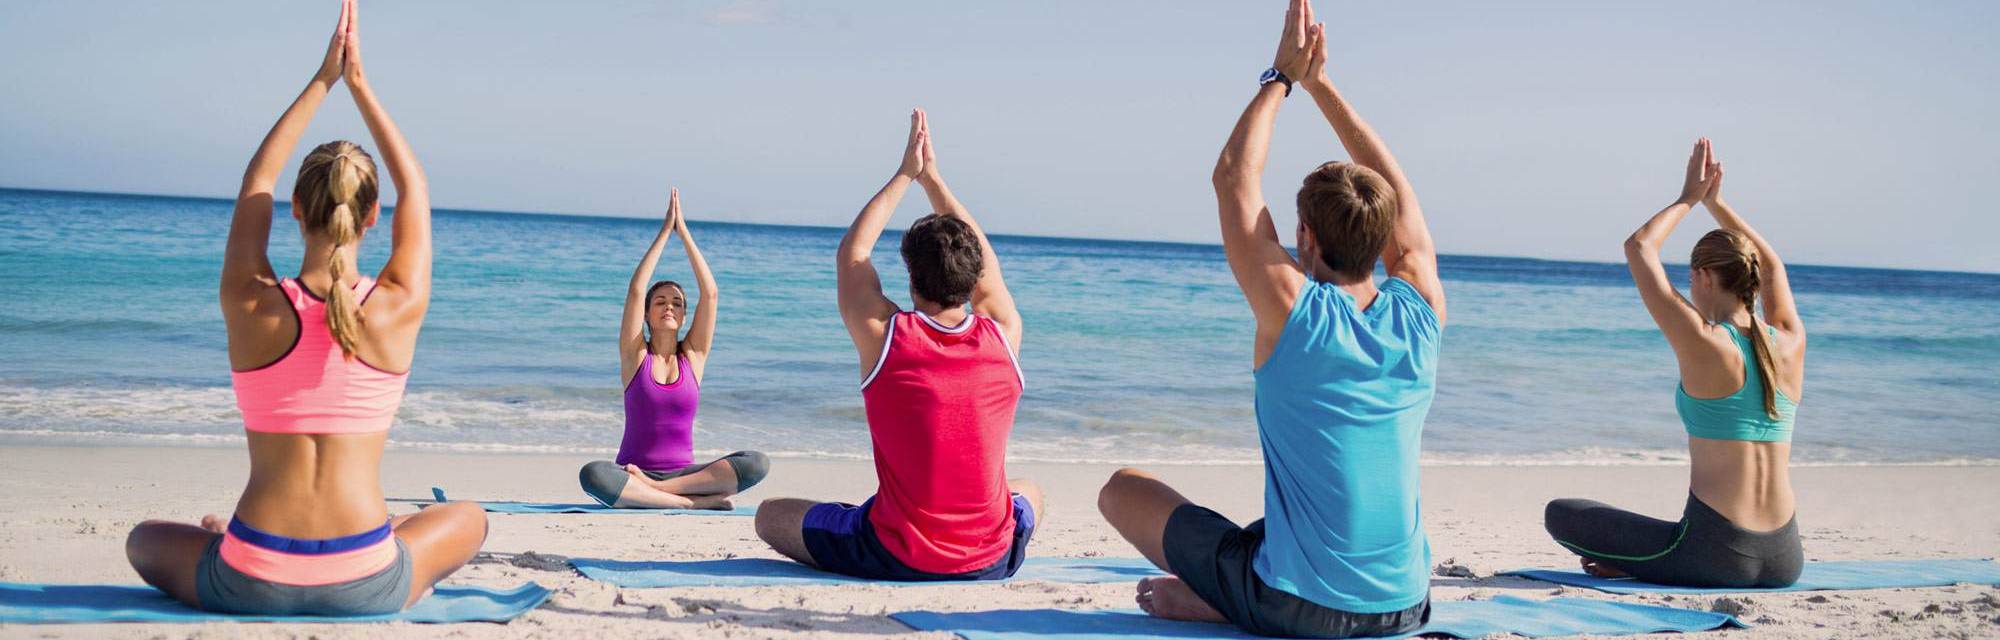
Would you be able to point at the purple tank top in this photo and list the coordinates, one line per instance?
(659, 419)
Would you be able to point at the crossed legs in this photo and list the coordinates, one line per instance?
(440, 538)
(781, 521)
(706, 486)
(1138, 505)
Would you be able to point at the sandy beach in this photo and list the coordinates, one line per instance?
(1481, 519)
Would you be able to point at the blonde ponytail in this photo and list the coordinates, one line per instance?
(1764, 348)
(335, 191)
(1733, 261)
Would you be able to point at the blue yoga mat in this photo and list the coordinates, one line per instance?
(746, 572)
(93, 603)
(1457, 618)
(592, 507)
(1817, 576)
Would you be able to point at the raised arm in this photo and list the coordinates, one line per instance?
(863, 308)
(1268, 275)
(1676, 318)
(632, 329)
(1409, 254)
(701, 335)
(990, 296)
(246, 265)
(1776, 292)
(408, 271)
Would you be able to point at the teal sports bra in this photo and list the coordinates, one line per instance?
(1740, 415)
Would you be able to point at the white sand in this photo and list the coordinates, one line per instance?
(68, 509)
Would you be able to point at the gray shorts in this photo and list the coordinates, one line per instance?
(222, 588)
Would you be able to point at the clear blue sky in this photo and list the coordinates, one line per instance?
(1855, 133)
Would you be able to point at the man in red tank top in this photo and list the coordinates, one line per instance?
(940, 385)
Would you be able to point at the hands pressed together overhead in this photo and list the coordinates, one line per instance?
(343, 51)
(919, 159)
(1703, 183)
(674, 220)
(1302, 47)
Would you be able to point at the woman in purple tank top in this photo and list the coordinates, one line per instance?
(661, 371)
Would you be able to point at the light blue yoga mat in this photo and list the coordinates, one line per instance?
(592, 507)
(1817, 576)
(93, 603)
(1457, 618)
(747, 572)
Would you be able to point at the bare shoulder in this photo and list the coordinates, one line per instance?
(393, 303)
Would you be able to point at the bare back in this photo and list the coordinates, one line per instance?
(1748, 482)
(315, 485)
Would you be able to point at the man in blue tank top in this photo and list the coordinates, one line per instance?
(1345, 372)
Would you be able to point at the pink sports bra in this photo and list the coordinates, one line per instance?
(313, 388)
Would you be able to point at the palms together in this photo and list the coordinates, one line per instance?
(343, 50)
(1704, 175)
(1302, 45)
(917, 152)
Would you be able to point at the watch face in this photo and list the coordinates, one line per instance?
(1268, 76)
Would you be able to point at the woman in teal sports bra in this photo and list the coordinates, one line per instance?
(1741, 377)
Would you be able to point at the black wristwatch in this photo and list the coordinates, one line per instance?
(1273, 75)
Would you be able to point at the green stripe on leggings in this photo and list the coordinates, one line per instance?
(1678, 535)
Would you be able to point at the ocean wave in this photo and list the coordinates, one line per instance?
(1051, 452)
(588, 421)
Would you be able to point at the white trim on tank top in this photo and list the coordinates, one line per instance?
(888, 338)
(970, 321)
(963, 325)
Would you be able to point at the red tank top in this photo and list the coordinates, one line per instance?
(940, 405)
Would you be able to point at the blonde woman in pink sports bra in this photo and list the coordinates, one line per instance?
(319, 364)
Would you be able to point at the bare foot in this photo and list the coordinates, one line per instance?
(215, 522)
(717, 503)
(1601, 570)
(1170, 598)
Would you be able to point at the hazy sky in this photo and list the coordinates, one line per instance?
(1855, 133)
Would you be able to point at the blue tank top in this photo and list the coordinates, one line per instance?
(1740, 415)
(1340, 413)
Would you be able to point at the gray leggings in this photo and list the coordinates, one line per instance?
(604, 479)
(1704, 549)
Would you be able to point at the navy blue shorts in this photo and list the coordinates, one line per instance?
(841, 540)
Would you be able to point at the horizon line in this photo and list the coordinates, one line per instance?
(601, 216)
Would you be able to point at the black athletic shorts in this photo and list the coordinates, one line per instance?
(1215, 558)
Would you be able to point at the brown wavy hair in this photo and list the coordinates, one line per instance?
(944, 259)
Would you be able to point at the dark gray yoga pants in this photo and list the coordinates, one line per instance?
(604, 479)
(1704, 549)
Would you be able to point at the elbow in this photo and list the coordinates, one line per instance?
(850, 252)
(1228, 175)
(1636, 245)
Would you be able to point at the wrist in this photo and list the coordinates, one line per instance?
(1273, 76)
(1317, 84)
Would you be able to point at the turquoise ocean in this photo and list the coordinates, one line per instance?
(1134, 352)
